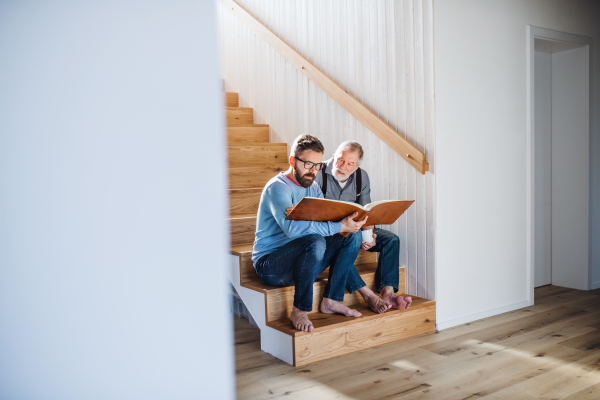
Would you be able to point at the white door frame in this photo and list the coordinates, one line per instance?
(534, 32)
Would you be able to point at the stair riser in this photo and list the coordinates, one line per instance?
(236, 116)
(257, 154)
(350, 338)
(242, 231)
(280, 302)
(253, 176)
(244, 201)
(248, 134)
(231, 100)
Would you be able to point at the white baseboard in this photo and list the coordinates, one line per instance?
(595, 285)
(484, 314)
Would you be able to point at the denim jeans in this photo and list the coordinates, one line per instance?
(387, 244)
(300, 261)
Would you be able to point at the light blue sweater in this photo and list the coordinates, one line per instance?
(272, 229)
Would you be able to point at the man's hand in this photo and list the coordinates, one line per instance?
(351, 226)
(367, 245)
(289, 209)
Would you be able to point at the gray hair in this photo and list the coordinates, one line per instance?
(352, 146)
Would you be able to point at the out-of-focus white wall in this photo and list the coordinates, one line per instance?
(112, 202)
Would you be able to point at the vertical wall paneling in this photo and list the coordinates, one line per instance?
(428, 63)
(419, 142)
(411, 184)
(381, 52)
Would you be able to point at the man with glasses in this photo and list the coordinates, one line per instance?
(342, 179)
(296, 252)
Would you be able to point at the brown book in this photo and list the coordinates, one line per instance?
(384, 212)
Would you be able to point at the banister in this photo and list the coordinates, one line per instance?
(393, 139)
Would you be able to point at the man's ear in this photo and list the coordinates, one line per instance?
(291, 161)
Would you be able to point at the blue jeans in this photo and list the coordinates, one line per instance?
(300, 261)
(387, 244)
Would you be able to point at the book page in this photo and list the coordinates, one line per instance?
(369, 206)
(346, 202)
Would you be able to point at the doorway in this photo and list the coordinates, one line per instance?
(559, 134)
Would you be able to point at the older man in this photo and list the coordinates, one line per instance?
(343, 179)
(296, 252)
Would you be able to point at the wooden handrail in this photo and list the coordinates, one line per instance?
(393, 139)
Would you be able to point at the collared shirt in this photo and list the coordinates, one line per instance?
(348, 192)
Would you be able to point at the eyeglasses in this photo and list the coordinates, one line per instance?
(310, 165)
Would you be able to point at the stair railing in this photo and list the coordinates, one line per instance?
(393, 139)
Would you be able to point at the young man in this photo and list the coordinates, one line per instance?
(339, 181)
(296, 252)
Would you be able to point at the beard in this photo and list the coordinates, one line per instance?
(337, 171)
(304, 180)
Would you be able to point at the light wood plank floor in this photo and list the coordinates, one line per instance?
(547, 351)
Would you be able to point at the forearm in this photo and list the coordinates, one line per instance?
(296, 229)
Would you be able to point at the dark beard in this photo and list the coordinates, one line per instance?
(305, 180)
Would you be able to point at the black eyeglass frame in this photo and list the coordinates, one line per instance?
(317, 166)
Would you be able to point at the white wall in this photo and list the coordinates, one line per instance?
(570, 167)
(543, 169)
(382, 53)
(111, 150)
(481, 123)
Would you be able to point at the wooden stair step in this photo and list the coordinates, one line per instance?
(248, 273)
(280, 300)
(243, 228)
(253, 176)
(257, 153)
(248, 133)
(324, 322)
(231, 99)
(239, 115)
(244, 201)
(335, 334)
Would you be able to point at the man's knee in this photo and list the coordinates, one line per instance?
(315, 244)
(353, 240)
(392, 241)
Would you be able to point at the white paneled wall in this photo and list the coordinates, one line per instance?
(381, 52)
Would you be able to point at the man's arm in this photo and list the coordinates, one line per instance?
(278, 200)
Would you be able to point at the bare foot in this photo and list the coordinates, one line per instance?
(376, 303)
(329, 306)
(300, 320)
(397, 302)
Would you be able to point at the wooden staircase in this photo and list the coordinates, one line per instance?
(253, 161)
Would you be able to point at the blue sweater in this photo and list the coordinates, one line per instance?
(272, 229)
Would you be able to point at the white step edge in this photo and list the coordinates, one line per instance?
(272, 341)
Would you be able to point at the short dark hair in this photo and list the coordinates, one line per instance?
(306, 142)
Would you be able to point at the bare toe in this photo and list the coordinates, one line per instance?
(300, 320)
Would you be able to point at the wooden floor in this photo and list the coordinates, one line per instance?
(548, 351)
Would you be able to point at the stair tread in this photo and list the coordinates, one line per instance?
(248, 190)
(248, 125)
(323, 322)
(255, 283)
(247, 168)
(238, 108)
(256, 144)
(242, 216)
(242, 249)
